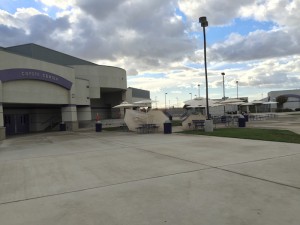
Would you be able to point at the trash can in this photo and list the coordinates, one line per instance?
(242, 122)
(170, 118)
(168, 127)
(62, 126)
(98, 127)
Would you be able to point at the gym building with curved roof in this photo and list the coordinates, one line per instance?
(41, 88)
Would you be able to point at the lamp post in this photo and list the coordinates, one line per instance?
(237, 92)
(191, 96)
(237, 89)
(199, 90)
(166, 100)
(204, 23)
(223, 74)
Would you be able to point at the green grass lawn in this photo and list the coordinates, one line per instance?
(251, 133)
(176, 123)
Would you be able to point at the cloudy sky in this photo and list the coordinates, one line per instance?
(160, 42)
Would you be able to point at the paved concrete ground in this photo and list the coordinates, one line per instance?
(124, 178)
(286, 121)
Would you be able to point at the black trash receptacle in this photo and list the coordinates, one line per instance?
(170, 118)
(62, 127)
(167, 128)
(98, 127)
(242, 122)
(246, 118)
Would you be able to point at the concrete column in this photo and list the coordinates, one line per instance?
(209, 126)
(2, 128)
(1, 107)
(69, 117)
(84, 115)
(1, 115)
(122, 112)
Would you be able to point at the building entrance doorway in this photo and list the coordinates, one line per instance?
(16, 123)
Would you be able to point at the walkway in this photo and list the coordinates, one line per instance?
(110, 178)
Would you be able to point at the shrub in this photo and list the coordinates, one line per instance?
(297, 109)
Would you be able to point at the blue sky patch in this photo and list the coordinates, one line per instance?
(240, 26)
(11, 6)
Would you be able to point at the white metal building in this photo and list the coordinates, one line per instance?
(293, 98)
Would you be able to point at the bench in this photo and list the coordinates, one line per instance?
(147, 128)
(124, 127)
(140, 130)
(199, 124)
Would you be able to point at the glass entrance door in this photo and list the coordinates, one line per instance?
(16, 123)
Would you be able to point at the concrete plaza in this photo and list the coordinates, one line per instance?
(111, 178)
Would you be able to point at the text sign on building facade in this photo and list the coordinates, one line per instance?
(31, 74)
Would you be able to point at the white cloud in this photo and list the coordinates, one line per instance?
(271, 73)
(218, 13)
(63, 4)
(283, 12)
(257, 45)
(149, 37)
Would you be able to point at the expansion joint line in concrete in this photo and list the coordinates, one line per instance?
(238, 173)
(258, 178)
(124, 144)
(99, 187)
(161, 176)
(258, 160)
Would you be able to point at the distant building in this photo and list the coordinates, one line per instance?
(135, 95)
(293, 98)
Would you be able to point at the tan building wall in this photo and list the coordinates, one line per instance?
(41, 89)
(45, 103)
(101, 77)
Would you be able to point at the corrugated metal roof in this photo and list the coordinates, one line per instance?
(45, 54)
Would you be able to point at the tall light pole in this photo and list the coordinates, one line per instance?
(237, 89)
(156, 102)
(166, 100)
(204, 24)
(191, 96)
(223, 74)
(199, 90)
